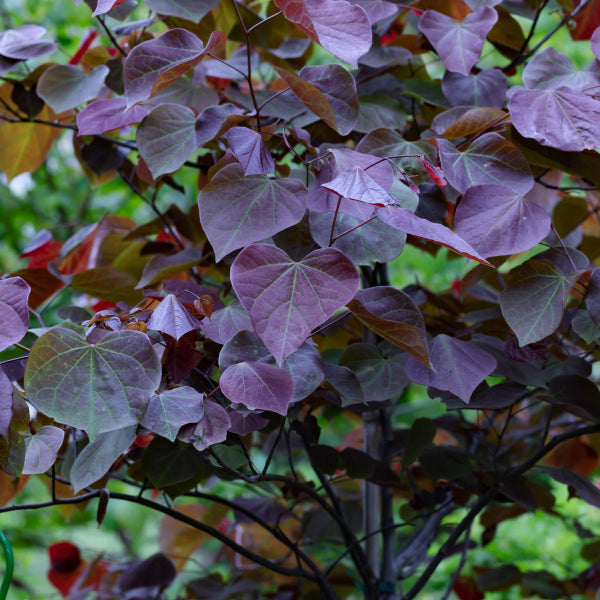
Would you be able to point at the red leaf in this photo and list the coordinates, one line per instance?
(586, 21)
(87, 42)
(436, 173)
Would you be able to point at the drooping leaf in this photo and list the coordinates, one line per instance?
(582, 486)
(172, 318)
(107, 114)
(360, 186)
(561, 118)
(458, 43)
(213, 427)
(96, 458)
(167, 137)
(42, 449)
(490, 159)
(496, 221)
(193, 10)
(66, 86)
(161, 266)
(329, 91)
(24, 43)
(534, 299)
(341, 28)
(14, 313)
(394, 316)
(236, 210)
(153, 65)
(250, 150)
(576, 394)
(171, 409)
(456, 366)
(103, 6)
(405, 220)
(287, 299)
(486, 88)
(259, 386)
(96, 387)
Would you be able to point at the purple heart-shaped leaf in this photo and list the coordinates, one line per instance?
(486, 88)
(286, 299)
(107, 114)
(24, 43)
(250, 150)
(14, 313)
(172, 318)
(41, 449)
(358, 185)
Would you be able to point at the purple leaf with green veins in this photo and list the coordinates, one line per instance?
(258, 385)
(341, 28)
(192, 10)
(534, 299)
(66, 86)
(561, 118)
(285, 299)
(550, 69)
(490, 159)
(404, 220)
(94, 461)
(96, 387)
(225, 323)
(458, 43)
(486, 88)
(358, 185)
(214, 121)
(496, 221)
(14, 312)
(166, 138)
(456, 366)
(154, 65)
(238, 209)
(42, 449)
(171, 409)
(172, 318)
(107, 114)
(250, 150)
(24, 43)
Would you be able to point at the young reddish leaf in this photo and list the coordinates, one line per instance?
(66, 86)
(108, 383)
(285, 299)
(107, 114)
(259, 386)
(496, 221)
(171, 409)
(250, 150)
(14, 314)
(154, 65)
(587, 21)
(489, 159)
(486, 88)
(405, 220)
(458, 43)
(65, 566)
(456, 366)
(192, 10)
(534, 299)
(236, 210)
(42, 449)
(94, 461)
(360, 186)
(329, 91)
(394, 316)
(341, 28)
(561, 118)
(436, 173)
(172, 318)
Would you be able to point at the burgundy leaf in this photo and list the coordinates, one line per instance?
(225, 323)
(244, 346)
(170, 410)
(456, 366)
(285, 299)
(6, 404)
(166, 138)
(236, 210)
(394, 316)
(24, 43)
(161, 267)
(192, 10)
(245, 421)
(358, 185)
(496, 221)
(258, 385)
(172, 318)
(404, 220)
(42, 449)
(154, 65)
(14, 314)
(250, 150)
(306, 369)
(490, 159)
(458, 43)
(341, 28)
(486, 88)
(213, 427)
(344, 382)
(214, 121)
(561, 118)
(107, 114)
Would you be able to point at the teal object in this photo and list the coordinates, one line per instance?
(9, 559)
